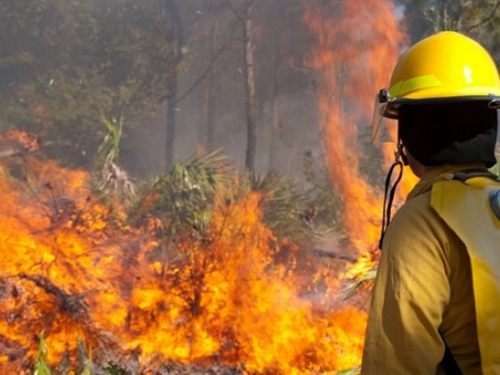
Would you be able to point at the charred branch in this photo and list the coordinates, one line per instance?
(25, 148)
(332, 255)
(74, 305)
(11, 349)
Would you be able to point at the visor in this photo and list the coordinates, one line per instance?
(384, 126)
(386, 111)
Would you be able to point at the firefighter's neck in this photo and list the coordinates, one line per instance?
(417, 168)
(421, 170)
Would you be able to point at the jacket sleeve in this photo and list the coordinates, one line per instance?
(410, 294)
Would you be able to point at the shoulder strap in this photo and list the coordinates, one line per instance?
(465, 174)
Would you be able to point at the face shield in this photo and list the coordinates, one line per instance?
(496, 105)
(384, 129)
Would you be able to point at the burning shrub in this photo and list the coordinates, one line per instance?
(189, 277)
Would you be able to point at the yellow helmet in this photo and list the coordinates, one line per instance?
(447, 65)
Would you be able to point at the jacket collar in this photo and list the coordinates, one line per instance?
(439, 173)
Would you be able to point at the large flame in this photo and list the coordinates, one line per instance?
(358, 43)
(73, 271)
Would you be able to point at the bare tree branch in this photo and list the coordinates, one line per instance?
(203, 75)
(228, 2)
(485, 20)
(333, 255)
(248, 4)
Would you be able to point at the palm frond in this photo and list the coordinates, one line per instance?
(183, 196)
(358, 283)
(109, 179)
(41, 367)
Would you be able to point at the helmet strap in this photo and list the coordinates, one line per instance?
(390, 190)
(400, 154)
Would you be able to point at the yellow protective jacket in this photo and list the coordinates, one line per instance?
(424, 290)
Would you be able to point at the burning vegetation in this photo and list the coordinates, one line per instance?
(203, 270)
(186, 278)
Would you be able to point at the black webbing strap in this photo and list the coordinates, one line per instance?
(389, 197)
(474, 172)
(448, 363)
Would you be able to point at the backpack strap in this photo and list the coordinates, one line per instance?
(465, 174)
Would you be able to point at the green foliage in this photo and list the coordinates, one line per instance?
(113, 369)
(459, 16)
(110, 146)
(285, 206)
(109, 178)
(64, 62)
(184, 197)
(41, 367)
(358, 283)
(296, 212)
(85, 365)
(476, 18)
(320, 192)
(353, 371)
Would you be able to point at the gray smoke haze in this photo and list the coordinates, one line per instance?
(282, 41)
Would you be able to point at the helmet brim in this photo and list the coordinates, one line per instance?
(391, 108)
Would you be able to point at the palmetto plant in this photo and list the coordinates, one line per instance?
(180, 205)
(293, 211)
(182, 197)
(110, 178)
(41, 367)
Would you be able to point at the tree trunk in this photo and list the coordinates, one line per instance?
(175, 37)
(275, 125)
(210, 136)
(250, 93)
(171, 120)
(275, 120)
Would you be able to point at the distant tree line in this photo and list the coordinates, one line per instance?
(67, 64)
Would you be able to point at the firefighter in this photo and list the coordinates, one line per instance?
(436, 300)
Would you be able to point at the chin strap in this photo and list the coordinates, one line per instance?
(401, 154)
(389, 191)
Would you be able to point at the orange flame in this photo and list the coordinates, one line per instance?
(72, 270)
(357, 49)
